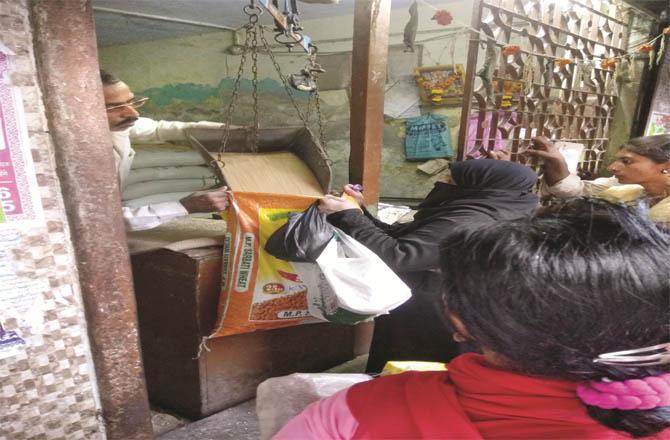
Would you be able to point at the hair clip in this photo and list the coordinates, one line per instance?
(639, 357)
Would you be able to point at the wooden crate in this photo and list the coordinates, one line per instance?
(177, 293)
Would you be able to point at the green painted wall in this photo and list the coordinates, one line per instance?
(191, 78)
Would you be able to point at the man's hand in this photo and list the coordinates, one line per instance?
(214, 200)
(544, 148)
(331, 204)
(499, 155)
(555, 167)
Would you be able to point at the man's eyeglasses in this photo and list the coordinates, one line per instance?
(136, 102)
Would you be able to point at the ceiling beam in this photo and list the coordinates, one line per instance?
(162, 18)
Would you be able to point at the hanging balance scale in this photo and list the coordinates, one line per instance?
(280, 160)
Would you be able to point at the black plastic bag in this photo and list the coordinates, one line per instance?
(303, 237)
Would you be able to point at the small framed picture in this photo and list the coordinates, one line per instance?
(441, 85)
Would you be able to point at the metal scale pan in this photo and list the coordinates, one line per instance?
(287, 160)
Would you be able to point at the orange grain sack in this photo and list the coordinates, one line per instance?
(259, 291)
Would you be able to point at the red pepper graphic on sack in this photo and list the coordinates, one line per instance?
(290, 276)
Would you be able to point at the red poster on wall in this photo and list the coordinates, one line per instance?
(19, 196)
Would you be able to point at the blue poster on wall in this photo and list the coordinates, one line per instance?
(427, 137)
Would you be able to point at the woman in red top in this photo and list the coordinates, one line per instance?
(570, 310)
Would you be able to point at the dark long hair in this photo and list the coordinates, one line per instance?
(656, 148)
(553, 291)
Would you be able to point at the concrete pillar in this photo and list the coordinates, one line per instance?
(66, 54)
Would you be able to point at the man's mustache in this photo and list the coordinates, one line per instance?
(125, 121)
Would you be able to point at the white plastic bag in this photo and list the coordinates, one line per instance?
(356, 285)
(275, 406)
(572, 152)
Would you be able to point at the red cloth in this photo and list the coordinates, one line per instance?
(472, 401)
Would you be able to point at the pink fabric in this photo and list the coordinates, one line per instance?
(473, 400)
(324, 419)
(645, 393)
(487, 134)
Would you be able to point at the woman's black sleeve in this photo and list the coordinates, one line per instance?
(416, 250)
(378, 223)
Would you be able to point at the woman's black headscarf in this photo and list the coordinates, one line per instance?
(484, 192)
(497, 188)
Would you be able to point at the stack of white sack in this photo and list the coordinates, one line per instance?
(165, 173)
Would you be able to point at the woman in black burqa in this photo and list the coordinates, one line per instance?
(483, 191)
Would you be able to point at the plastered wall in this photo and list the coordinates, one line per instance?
(190, 78)
(203, 59)
(47, 383)
(163, 66)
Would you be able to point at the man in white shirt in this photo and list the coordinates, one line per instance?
(126, 125)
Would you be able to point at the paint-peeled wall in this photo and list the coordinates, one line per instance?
(191, 78)
(47, 382)
(206, 58)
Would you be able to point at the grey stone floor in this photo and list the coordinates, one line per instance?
(163, 421)
(236, 423)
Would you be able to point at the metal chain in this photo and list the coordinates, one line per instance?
(254, 83)
(317, 100)
(284, 80)
(251, 34)
(308, 113)
(319, 117)
(236, 90)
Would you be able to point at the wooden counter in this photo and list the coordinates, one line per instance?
(177, 294)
